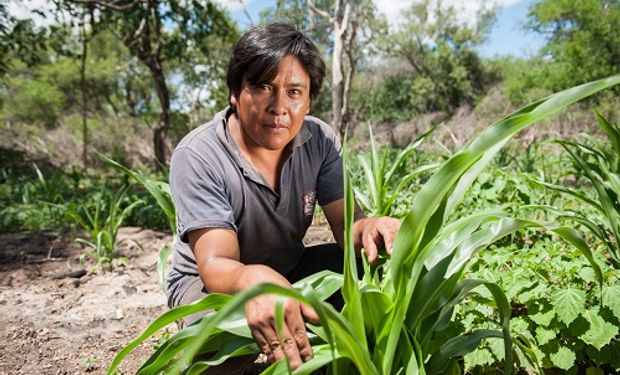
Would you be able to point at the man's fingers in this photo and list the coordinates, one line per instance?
(263, 344)
(309, 314)
(297, 329)
(389, 235)
(381, 230)
(292, 342)
(290, 347)
(370, 247)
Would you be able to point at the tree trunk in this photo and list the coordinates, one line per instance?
(346, 94)
(338, 84)
(160, 133)
(84, 95)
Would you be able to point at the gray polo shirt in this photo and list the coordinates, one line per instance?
(214, 186)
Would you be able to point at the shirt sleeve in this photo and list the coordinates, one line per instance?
(199, 194)
(330, 185)
(329, 182)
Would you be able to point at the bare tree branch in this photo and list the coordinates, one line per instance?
(320, 12)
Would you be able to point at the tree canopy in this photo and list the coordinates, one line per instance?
(583, 42)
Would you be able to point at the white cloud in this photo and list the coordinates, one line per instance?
(467, 9)
(234, 5)
(25, 10)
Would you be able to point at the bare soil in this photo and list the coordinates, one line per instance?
(55, 322)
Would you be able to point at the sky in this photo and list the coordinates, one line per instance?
(507, 36)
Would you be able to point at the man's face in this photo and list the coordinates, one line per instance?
(272, 114)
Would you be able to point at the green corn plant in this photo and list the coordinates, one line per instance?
(48, 189)
(101, 224)
(380, 172)
(601, 167)
(161, 192)
(395, 319)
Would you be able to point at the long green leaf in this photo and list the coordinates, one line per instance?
(211, 301)
(350, 290)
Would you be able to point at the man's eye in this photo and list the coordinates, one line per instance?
(295, 92)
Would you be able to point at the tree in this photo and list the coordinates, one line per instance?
(439, 48)
(19, 41)
(583, 42)
(157, 32)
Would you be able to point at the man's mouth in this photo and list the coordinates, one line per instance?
(276, 126)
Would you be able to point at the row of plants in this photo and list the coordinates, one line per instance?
(425, 310)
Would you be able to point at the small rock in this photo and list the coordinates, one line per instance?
(119, 314)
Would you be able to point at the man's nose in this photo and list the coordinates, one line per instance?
(277, 105)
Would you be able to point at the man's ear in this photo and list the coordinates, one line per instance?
(233, 100)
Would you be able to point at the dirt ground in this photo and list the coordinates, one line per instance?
(55, 322)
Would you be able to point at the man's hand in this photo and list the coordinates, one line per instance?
(217, 256)
(292, 342)
(373, 232)
(369, 233)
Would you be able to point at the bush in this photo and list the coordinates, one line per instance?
(36, 102)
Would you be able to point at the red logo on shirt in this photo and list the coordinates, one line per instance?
(309, 202)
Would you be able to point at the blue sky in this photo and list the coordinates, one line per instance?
(506, 38)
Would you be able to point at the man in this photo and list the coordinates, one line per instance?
(245, 187)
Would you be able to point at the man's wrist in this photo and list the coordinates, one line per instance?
(255, 274)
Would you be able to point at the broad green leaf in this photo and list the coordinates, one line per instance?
(543, 318)
(479, 357)
(498, 348)
(600, 332)
(544, 335)
(564, 358)
(457, 347)
(588, 275)
(515, 288)
(568, 303)
(611, 298)
(527, 296)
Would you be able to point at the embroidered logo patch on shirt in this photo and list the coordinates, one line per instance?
(309, 202)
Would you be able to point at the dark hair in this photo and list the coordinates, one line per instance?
(258, 53)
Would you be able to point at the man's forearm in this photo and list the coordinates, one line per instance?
(223, 275)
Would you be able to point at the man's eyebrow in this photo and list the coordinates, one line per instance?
(298, 84)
